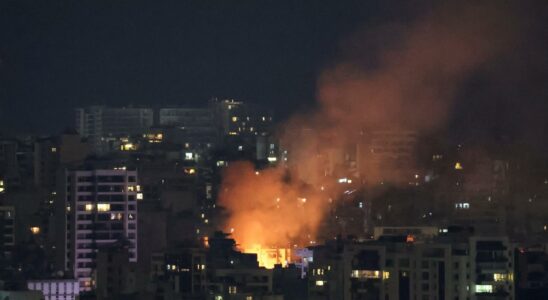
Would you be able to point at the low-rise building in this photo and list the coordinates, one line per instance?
(56, 289)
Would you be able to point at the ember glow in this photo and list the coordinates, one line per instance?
(412, 83)
(267, 213)
(269, 257)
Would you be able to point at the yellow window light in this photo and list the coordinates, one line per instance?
(103, 207)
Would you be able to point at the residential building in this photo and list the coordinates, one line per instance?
(115, 274)
(56, 289)
(100, 208)
(388, 156)
(454, 265)
(99, 122)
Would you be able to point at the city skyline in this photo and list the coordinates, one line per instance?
(282, 150)
(505, 97)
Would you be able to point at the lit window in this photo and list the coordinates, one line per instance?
(484, 288)
(385, 275)
(128, 147)
(190, 171)
(232, 290)
(130, 188)
(53, 149)
(117, 216)
(372, 274)
(35, 230)
(458, 166)
(234, 119)
(462, 205)
(320, 283)
(89, 207)
(103, 207)
(189, 156)
(500, 277)
(410, 238)
(345, 180)
(139, 196)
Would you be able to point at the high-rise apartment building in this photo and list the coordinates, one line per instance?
(236, 118)
(195, 128)
(100, 209)
(388, 156)
(96, 122)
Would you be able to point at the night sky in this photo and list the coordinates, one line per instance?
(57, 55)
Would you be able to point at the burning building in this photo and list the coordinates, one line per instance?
(408, 91)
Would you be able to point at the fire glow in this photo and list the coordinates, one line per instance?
(268, 213)
(412, 86)
(270, 257)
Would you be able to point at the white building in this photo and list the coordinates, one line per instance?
(101, 208)
(56, 289)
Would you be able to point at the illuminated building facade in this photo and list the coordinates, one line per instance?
(56, 289)
(101, 209)
(236, 118)
(446, 267)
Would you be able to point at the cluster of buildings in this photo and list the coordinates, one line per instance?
(124, 207)
(198, 129)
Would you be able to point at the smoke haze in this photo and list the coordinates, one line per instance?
(398, 77)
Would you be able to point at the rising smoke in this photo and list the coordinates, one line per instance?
(408, 82)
